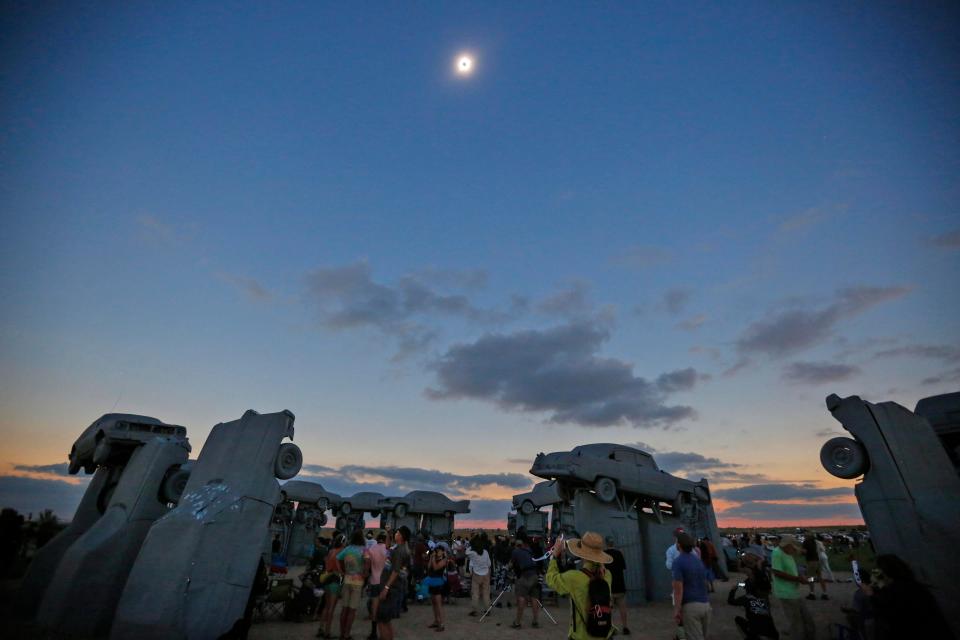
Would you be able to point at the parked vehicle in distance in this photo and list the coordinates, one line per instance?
(612, 468)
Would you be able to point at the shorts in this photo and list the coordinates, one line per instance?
(350, 595)
(389, 607)
(813, 568)
(527, 586)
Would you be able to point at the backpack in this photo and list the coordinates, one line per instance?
(599, 616)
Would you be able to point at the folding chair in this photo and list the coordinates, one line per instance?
(275, 602)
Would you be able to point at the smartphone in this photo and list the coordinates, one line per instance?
(811, 579)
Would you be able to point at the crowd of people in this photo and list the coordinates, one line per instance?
(382, 572)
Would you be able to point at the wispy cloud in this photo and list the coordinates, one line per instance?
(675, 300)
(557, 371)
(947, 376)
(819, 372)
(347, 297)
(803, 220)
(249, 287)
(692, 324)
(571, 301)
(57, 469)
(948, 240)
(798, 329)
(350, 479)
(944, 352)
(783, 491)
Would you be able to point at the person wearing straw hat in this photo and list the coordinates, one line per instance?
(576, 582)
(786, 588)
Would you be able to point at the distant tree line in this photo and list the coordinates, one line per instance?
(21, 537)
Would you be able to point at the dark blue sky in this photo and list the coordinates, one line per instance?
(629, 217)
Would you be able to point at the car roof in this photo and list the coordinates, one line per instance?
(607, 449)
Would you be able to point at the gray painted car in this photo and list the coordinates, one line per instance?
(611, 469)
(427, 502)
(909, 493)
(362, 502)
(193, 575)
(114, 434)
(543, 494)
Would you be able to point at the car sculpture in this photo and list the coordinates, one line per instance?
(543, 494)
(909, 493)
(363, 502)
(428, 502)
(196, 568)
(84, 566)
(611, 469)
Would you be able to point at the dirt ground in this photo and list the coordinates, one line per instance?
(650, 622)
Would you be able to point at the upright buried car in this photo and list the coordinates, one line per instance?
(195, 570)
(613, 469)
(910, 492)
(140, 466)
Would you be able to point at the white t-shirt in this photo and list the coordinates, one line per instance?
(479, 562)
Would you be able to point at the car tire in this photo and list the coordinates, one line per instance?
(527, 508)
(288, 462)
(173, 485)
(400, 510)
(374, 514)
(606, 489)
(844, 458)
(345, 509)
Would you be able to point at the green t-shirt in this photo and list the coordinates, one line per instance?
(783, 589)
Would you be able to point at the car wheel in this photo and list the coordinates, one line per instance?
(606, 489)
(288, 462)
(400, 510)
(173, 485)
(844, 458)
(527, 508)
(345, 509)
(374, 514)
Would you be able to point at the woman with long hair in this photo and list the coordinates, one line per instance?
(330, 581)
(437, 583)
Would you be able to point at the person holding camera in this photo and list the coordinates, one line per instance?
(786, 587)
(436, 581)
(758, 623)
(586, 586)
(526, 587)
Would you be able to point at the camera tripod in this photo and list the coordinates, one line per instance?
(510, 588)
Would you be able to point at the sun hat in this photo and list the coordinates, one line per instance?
(787, 540)
(589, 547)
